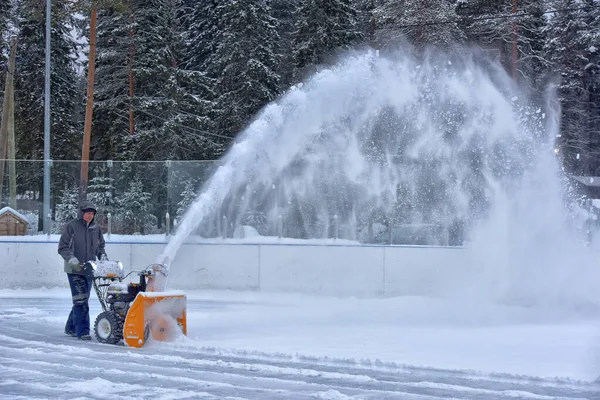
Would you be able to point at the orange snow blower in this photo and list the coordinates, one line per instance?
(136, 312)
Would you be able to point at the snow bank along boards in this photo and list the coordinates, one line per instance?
(136, 312)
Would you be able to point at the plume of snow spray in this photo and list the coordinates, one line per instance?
(437, 140)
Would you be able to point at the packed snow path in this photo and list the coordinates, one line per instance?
(38, 361)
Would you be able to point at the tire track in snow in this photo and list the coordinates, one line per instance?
(365, 384)
(284, 388)
(170, 378)
(472, 379)
(95, 387)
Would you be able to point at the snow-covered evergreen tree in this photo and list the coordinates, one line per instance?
(153, 69)
(591, 81)
(100, 192)
(418, 22)
(111, 93)
(284, 13)
(29, 90)
(487, 23)
(244, 63)
(566, 51)
(200, 31)
(188, 196)
(365, 17)
(133, 211)
(66, 207)
(532, 65)
(256, 219)
(5, 10)
(29, 82)
(323, 28)
(172, 104)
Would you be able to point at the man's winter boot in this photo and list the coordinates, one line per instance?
(85, 337)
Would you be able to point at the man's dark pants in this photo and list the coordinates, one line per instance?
(79, 318)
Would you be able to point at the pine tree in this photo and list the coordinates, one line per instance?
(283, 12)
(187, 198)
(257, 220)
(366, 18)
(29, 81)
(111, 92)
(591, 82)
(171, 104)
(133, 213)
(565, 50)
(397, 20)
(244, 62)
(5, 10)
(323, 28)
(531, 31)
(66, 207)
(29, 91)
(200, 31)
(100, 193)
(485, 23)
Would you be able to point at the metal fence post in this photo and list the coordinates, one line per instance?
(109, 227)
(224, 229)
(168, 223)
(280, 226)
(336, 226)
(50, 227)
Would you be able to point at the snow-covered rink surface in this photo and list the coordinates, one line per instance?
(283, 346)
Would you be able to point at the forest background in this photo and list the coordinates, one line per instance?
(177, 80)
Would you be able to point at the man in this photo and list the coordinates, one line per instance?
(81, 241)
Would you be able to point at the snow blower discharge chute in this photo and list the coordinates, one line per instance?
(136, 312)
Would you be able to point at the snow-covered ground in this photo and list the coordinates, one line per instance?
(282, 346)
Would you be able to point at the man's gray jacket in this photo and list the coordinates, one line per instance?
(80, 240)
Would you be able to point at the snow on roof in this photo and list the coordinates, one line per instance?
(14, 212)
(588, 180)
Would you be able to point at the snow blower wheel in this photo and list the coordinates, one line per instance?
(109, 327)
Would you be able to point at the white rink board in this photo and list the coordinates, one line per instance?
(28, 265)
(334, 270)
(423, 271)
(202, 266)
(344, 270)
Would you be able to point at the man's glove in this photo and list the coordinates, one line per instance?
(74, 264)
(103, 257)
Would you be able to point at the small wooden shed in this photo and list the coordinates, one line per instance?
(12, 223)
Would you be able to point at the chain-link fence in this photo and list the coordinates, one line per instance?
(139, 196)
(143, 198)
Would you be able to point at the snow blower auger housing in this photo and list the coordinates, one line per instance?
(135, 312)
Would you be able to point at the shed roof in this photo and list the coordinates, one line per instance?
(591, 181)
(15, 213)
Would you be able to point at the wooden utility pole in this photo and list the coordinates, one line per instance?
(89, 107)
(7, 108)
(131, 76)
(12, 172)
(515, 54)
